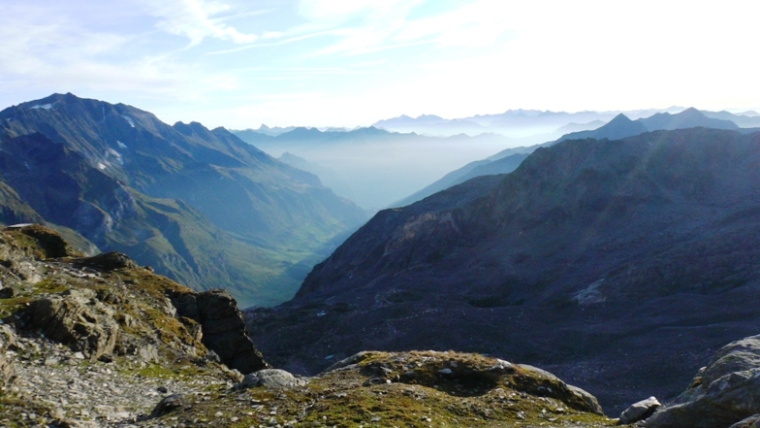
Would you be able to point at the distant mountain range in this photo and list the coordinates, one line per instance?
(199, 205)
(619, 127)
(599, 260)
(530, 125)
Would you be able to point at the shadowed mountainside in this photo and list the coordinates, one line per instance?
(599, 260)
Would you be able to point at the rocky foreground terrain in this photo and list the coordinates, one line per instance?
(99, 341)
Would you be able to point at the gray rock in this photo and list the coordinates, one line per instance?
(274, 378)
(168, 404)
(78, 320)
(639, 411)
(724, 393)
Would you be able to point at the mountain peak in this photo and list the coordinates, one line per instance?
(620, 118)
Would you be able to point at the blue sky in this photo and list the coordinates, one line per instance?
(238, 64)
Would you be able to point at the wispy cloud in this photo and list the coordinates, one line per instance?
(197, 20)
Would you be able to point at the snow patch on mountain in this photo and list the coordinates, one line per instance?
(129, 120)
(41, 106)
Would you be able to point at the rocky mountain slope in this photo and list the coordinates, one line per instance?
(201, 206)
(599, 260)
(102, 342)
(503, 165)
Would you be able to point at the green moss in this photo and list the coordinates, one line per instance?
(350, 397)
(50, 285)
(22, 412)
(8, 307)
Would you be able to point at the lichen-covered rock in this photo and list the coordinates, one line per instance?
(168, 404)
(723, 393)
(223, 328)
(7, 371)
(78, 319)
(541, 382)
(639, 411)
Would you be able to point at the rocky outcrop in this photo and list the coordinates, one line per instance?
(106, 262)
(223, 328)
(723, 393)
(540, 382)
(77, 319)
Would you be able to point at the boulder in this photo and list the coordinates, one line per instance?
(722, 394)
(223, 328)
(167, 405)
(77, 319)
(273, 378)
(639, 411)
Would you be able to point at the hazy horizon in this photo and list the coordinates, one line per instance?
(326, 63)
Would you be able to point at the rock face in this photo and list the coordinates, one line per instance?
(96, 341)
(723, 393)
(224, 330)
(78, 319)
(597, 260)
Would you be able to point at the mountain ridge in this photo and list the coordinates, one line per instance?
(265, 208)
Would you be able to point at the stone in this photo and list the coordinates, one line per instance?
(76, 319)
(724, 393)
(168, 404)
(273, 378)
(639, 411)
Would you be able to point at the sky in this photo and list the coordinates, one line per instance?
(239, 64)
